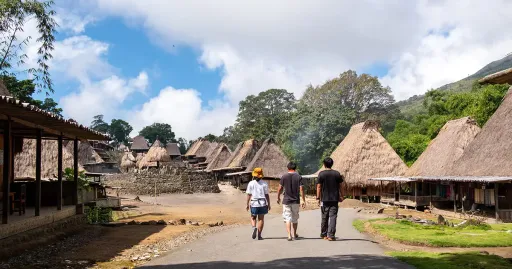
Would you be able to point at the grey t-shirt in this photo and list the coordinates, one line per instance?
(291, 183)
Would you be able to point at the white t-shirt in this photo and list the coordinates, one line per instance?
(257, 189)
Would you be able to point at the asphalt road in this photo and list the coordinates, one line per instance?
(235, 248)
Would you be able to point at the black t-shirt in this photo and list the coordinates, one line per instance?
(291, 183)
(330, 181)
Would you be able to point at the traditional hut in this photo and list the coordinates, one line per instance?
(365, 154)
(128, 161)
(243, 154)
(438, 159)
(502, 77)
(211, 151)
(86, 153)
(173, 150)
(25, 161)
(219, 157)
(271, 158)
(156, 154)
(139, 144)
(199, 149)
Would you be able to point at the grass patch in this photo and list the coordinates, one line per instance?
(468, 260)
(359, 225)
(441, 236)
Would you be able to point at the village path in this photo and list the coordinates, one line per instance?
(234, 248)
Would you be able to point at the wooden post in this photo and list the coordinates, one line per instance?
(394, 192)
(452, 187)
(75, 172)
(6, 207)
(496, 207)
(415, 195)
(38, 171)
(430, 191)
(59, 173)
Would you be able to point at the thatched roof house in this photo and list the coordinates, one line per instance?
(139, 144)
(271, 158)
(219, 157)
(86, 153)
(448, 146)
(200, 148)
(173, 149)
(3, 90)
(25, 161)
(490, 153)
(156, 154)
(365, 154)
(243, 154)
(128, 161)
(502, 77)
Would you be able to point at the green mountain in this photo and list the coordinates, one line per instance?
(413, 105)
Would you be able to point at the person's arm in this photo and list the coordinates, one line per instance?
(279, 190)
(248, 201)
(319, 192)
(303, 196)
(341, 188)
(267, 196)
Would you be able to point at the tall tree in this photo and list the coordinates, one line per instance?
(13, 16)
(120, 130)
(325, 114)
(161, 130)
(99, 124)
(210, 137)
(183, 144)
(24, 89)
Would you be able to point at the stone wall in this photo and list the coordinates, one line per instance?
(166, 179)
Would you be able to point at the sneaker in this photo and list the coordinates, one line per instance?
(260, 238)
(289, 239)
(254, 232)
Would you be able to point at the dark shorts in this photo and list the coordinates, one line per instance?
(259, 210)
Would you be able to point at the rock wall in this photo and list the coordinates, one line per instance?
(166, 179)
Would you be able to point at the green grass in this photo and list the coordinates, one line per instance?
(359, 225)
(442, 236)
(466, 260)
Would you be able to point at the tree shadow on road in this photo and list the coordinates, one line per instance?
(339, 262)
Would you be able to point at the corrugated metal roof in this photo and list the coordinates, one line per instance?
(26, 112)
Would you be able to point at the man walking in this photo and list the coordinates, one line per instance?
(258, 201)
(291, 182)
(329, 193)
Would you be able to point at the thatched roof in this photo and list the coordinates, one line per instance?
(219, 157)
(502, 77)
(157, 153)
(173, 149)
(139, 143)
(243, 154)
(490, 153)
(123, 147)
(271, 158)
(86, 153)
(211, 151)
(128, 161)
(364, 154)
(25, 161)
(3, 90)
(442, 152)
(200, 148)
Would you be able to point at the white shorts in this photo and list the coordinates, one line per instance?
(291, 213)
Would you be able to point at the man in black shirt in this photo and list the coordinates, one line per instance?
(291, 183)
(328, 192)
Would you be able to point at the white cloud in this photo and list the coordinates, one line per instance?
(288, 44)
(182, 109)
(102, 97)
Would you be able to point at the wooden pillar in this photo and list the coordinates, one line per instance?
(75, 171)
(496, 207)
(430, 192)
(416, 194)
(394, 192)
(452, 187)
(39, 149)
(6, 207)
(59, 173)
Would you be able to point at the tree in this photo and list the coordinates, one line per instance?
(99, 125)
(183, 145)
(24, 89)
(119, 130)
(162, 131)
(210, 137)
(14, 15)
(325, 114)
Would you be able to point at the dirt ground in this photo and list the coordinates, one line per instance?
(129, 245)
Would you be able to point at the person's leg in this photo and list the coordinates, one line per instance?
(333, 216)
(253, 222)
(295, 219)
(287, 217)
(325, 221)
(261, 223)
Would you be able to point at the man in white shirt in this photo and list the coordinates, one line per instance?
(258, 202)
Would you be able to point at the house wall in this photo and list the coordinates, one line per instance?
(49, 192)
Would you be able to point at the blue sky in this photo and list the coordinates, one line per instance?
(190, 63)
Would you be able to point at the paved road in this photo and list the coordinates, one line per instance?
(235, 249)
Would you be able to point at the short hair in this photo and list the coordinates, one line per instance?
(292, 166)
(328, 162)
